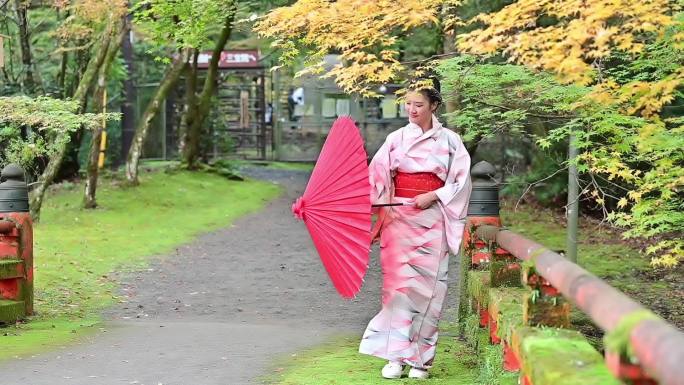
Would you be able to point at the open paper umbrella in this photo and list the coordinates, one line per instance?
(336, 207)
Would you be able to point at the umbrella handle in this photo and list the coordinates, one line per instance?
(389, 204)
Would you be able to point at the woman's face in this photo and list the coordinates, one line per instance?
(418, 108)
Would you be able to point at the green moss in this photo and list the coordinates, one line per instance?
(506, 306)
(491, 368)
(503, 273)
(618, 340)
(488, 357)
(464, 305)
(76, 249)
(471, 328)
(478, 286)
(541, 310)
(8, 268)
(560, 357)
(339, 362)
(597, 250)
(10, 311)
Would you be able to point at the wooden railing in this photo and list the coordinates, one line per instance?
(522, 292)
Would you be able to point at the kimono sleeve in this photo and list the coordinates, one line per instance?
(455, 194)
(380, 174)
(458, 175)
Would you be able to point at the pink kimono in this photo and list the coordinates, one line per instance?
(415, 243)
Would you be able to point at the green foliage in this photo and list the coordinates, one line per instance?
(546, 180)
(29, 126)
(421, 43)
(628, 161)
(657, 61)
(182, 23)
(497, 99)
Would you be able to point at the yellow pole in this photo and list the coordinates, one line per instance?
(103, 138)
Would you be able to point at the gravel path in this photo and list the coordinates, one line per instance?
(217, 311)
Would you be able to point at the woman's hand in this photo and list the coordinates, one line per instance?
(426, 200)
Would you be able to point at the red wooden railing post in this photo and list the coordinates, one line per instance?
(16, 247)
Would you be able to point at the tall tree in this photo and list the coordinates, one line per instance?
(201, 110)
(29, 79)
(130, 94)
(100, 103)
(173, 72)
(80, 96)
(183, 26)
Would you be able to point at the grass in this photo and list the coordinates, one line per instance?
(339, 363)
(76, 250)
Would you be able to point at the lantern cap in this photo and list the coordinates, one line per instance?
(13, 190)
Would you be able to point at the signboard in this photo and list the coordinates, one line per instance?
(248, 58)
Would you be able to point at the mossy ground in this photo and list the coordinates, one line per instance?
(339, 363)
(76, 250)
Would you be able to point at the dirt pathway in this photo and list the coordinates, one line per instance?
(217, 311)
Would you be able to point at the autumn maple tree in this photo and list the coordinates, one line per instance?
(614, 49)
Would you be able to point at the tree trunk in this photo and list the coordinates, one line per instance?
(61, 77)
(94, 64)
(10, 62)
(56, 159)
(100, 103)
(190, 107)
(173, 72)
(191, 152)
(29, 82)
(130, 96)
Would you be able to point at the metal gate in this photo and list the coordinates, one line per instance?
(238, 122)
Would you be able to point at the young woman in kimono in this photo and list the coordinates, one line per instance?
(425, 165)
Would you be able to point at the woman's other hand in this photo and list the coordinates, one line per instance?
(426, 200)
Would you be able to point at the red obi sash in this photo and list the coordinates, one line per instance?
(410, 185)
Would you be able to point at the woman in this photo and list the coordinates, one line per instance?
(426, 166)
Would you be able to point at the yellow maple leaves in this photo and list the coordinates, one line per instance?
(567, 36)
(363, 33)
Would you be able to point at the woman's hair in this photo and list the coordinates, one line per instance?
(428, 87)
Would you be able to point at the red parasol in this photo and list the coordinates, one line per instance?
(336, 207)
